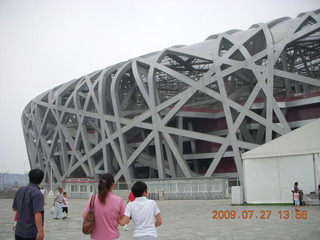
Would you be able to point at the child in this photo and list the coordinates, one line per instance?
(144, 213)
(65, 204)
(131, 198)
(296, 197)
(15, 221)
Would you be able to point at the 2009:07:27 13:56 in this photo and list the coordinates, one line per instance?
(263, 214)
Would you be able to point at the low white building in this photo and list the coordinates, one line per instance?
(79, 187)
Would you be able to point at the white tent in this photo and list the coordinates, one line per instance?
(270, 170)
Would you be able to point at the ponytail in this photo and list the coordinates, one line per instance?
(105, 186)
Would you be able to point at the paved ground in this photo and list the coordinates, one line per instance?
(190, 220)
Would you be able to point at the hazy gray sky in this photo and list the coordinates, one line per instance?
(45, 43)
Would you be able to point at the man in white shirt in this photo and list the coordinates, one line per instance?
(144, 213)
(57, 202)
(43, 191)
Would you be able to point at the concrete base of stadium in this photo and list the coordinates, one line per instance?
(191, 220)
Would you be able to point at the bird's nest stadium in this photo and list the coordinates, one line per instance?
(184, 112)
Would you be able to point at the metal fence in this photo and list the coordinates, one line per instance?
(168, 189)
(184, 189)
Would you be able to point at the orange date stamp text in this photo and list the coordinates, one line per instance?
(263, 214)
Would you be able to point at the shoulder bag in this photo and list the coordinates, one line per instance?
(88, 221)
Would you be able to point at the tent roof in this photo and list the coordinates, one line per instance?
(304, 140)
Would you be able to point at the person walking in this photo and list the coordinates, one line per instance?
(144, 213)
(296, 199)
(57, 203)
(15, 219)
(131, 198)
(43, 191)
(295, 187)
(28, 202)
(65, 205)
(107, 209)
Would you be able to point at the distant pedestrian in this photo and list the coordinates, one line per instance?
(319, 191)
(43, 191)
(131, 198)
(144, 213)
(57, 202)
(15, 219)
(28, 202)
(65, 205)
(296, 199)
(295, 187)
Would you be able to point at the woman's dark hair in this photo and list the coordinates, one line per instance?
(105, 184)
(139, 188)
(36, 176)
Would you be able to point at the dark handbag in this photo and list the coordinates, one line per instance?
(88, 221)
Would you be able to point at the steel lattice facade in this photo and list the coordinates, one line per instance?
(186, 111)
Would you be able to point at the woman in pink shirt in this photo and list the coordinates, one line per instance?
(107, 209)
